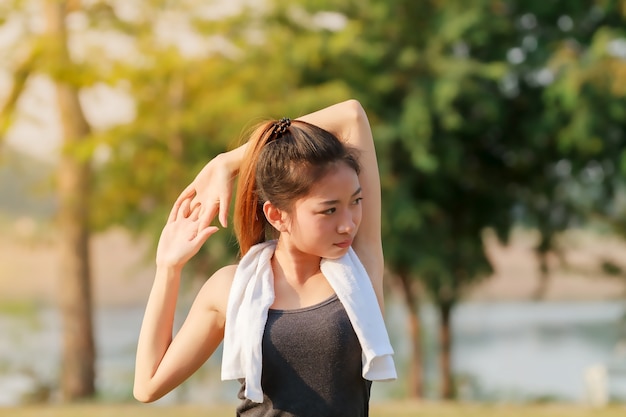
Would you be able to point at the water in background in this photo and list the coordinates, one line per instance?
(530, 351)
(502, 352)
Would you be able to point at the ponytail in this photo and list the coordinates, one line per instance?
(249, 219)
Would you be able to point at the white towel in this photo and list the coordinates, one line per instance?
(252, 294)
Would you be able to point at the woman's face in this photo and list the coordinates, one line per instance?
(325, 222)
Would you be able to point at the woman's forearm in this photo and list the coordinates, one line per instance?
(156, 330)
(341, 119)
(232, 159)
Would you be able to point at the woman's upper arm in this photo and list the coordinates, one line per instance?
(199, 336)
(349, 122)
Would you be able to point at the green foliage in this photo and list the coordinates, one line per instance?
(472, 105)
(431, 103)
(486, 113)
(190, 108)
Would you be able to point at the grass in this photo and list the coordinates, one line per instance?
(394, 409)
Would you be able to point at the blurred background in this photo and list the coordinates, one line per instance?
(500, 130)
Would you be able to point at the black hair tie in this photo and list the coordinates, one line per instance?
(280, 127)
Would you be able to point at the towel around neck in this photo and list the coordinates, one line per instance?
(252, 294)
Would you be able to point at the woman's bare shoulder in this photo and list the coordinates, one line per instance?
(215, 291)
(225, 273)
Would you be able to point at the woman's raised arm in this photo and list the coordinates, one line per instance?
(212, 187)
(348, 121)
(163, 362)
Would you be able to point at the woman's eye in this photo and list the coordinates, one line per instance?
(357, 201)
(329, 211)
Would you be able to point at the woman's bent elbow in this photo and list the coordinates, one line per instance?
(142, 394)
(354, 107)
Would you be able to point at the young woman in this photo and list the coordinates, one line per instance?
(300, 315)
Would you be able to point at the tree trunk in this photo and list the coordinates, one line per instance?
(544, 276)
(445, 351)
(78, 358)
(415, 388)
(542, 252)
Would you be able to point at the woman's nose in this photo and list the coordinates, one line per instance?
(347, 223)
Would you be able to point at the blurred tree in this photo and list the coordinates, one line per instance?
(74, 171)
(408, 64)
(194, 77)
(434, 107)
(486, 116)
(23, 64)
(565, 69)
(46, 52)
(478, 111)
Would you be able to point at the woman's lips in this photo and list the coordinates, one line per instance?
(344, 244)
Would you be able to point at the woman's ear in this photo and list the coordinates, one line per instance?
(276, 217)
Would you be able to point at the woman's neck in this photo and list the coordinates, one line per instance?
(298, 281)
(293, 264)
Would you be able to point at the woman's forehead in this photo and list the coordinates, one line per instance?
(337, 184)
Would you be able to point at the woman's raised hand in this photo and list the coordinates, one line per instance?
(183, 235)
(212, 189)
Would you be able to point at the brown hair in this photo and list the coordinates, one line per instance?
(281, 169)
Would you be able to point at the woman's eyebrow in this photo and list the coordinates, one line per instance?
(331, 202)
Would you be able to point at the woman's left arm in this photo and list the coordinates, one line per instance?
(348, 121)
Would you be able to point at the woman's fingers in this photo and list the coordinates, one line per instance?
(188, 193)
(176, 209)
(184, 209)
(204, 234)
(209, 210)
(223, 207)
(196, 200)
(196, 205)
(172, 216)
(195, 212)
(217, 207)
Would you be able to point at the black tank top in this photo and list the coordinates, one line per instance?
(311, 366)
